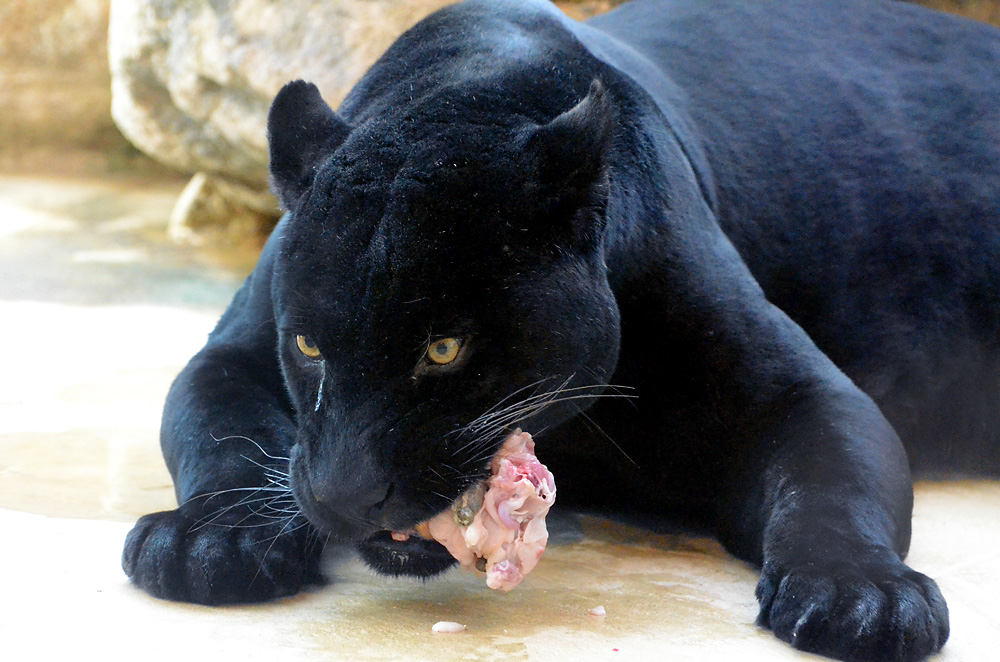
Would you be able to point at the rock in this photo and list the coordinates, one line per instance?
(192, 80)
(225, 214)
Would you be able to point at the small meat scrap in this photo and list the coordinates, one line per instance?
(503, 526)
(447, 627)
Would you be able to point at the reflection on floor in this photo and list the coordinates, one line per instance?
(98, 314)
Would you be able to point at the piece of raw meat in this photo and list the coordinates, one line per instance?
(500, 528)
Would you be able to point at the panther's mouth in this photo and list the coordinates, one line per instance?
(413, 551)
(408, 551)
(403, 553)
(496, 527)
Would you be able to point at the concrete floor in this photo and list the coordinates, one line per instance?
(98, 311)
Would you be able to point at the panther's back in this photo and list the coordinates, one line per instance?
(853, 152)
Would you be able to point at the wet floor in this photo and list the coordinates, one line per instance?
(98, 312)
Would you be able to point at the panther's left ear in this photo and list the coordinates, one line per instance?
(301, 131)
(572, 155)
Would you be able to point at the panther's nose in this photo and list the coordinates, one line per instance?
(345, 505)
(354, 499)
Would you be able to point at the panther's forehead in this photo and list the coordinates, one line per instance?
(407, 267)
(387, 222)
(364, 276)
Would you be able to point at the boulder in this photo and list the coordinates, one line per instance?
(192, 80)
(222, 213)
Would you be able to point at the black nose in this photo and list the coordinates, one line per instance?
(344, 504)
(355, 499)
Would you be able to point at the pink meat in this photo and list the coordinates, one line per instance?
(509, 529)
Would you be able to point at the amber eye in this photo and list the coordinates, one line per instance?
(444, 351)
(307, 346)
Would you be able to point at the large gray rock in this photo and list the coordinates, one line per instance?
(192, 79)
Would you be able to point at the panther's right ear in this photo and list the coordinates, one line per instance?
(301, 130)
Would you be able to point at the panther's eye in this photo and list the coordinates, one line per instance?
(307, 346)
(444, 351)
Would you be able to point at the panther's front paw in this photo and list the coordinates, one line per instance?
(878, 612)
(173, 556)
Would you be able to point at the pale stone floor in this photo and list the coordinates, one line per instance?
(98, 311)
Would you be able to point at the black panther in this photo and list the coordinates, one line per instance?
(732, 263)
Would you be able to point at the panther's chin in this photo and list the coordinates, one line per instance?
(413, 557)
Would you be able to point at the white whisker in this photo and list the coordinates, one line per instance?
(259, 447)
(270, 504)
(488, 428)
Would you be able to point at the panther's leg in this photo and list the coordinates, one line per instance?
(828, 518)
(802, 472)
(226, 434)
(812, 483)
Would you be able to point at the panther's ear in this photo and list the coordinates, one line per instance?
(301, 130)
(572, 155)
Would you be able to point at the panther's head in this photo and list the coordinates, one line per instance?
(441, 281)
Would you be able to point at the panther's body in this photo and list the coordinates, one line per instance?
(700, 203)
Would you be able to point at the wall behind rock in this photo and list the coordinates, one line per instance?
(55, 87)
(987, 11)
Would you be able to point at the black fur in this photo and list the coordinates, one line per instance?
(775, 224)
